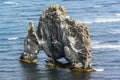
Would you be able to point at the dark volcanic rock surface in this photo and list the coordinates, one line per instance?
(60, 36)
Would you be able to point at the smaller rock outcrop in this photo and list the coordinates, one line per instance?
(59, 36)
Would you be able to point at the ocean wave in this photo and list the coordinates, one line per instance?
(104, 42)
(118, 14)
(116, 31)
(97, 6)
(103, 20)
(13, 38)
(99, 20)
(10, 58)
(10, 2)
(106, 46)
(95, 42)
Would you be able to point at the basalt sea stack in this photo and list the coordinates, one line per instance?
(59, 37)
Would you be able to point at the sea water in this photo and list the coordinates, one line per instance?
(102, 18)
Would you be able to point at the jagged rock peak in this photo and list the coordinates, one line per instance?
(55, 10)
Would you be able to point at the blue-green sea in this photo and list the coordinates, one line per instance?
(102, 18)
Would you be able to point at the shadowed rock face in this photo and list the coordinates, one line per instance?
(59, 36)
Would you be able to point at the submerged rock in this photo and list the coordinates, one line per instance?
(59, 36)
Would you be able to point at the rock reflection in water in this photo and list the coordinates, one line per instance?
(30, 71)
(33, 72)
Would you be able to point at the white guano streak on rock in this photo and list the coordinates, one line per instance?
(72, 43)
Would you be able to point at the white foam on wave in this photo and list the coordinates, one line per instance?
(100, 45)
(95, 42)
(103, 20)
(10, 58)
(115, 31)
(10, 2)
(118, 14)
(106, 46)
(99, 70)
(13, 38)
(98, 20)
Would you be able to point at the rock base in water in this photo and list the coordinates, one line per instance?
(28, 61)
(67, 65)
